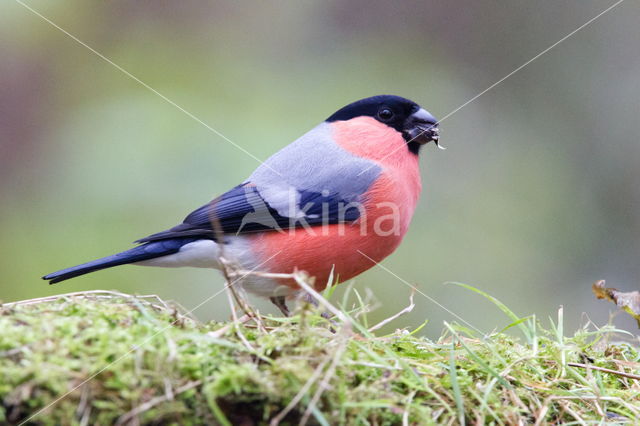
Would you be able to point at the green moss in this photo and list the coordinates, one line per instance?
(118, 358)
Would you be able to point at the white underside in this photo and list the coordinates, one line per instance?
(199, 254)
(205, 254)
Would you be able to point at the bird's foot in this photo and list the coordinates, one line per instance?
(281, 303)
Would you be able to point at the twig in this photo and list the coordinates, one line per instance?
(405, 415)
(316, 374)
(299, 278)
(103, 294)
(324, 385)
(589, 398)
(542, 413)
(397, 315)
(231, 292)
(84, 408)
(236, 322)
(565, 406)
(222, 331)
(605, 370)
(345, 331)
(373, 365)
(74, 294)
(153, 402)
(227, 269)
(218, 230)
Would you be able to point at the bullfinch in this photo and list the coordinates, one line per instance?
(332, 203)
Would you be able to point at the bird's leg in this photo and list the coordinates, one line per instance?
(281, 303)
(310, 299)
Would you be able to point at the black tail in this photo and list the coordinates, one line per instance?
(136, 254)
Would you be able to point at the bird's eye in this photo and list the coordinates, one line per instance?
(385, 114)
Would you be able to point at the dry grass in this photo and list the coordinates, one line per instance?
(138, 360)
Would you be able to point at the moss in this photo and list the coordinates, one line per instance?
(106, 358)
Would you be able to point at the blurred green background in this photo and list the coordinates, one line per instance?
(536, 197)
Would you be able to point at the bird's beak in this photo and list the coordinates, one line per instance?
(422, 127)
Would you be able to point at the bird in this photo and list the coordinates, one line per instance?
(333, 203)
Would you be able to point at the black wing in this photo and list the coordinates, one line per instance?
(243, 210)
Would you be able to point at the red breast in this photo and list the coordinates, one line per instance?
(389, 205)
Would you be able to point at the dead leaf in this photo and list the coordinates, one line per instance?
(627, 301)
